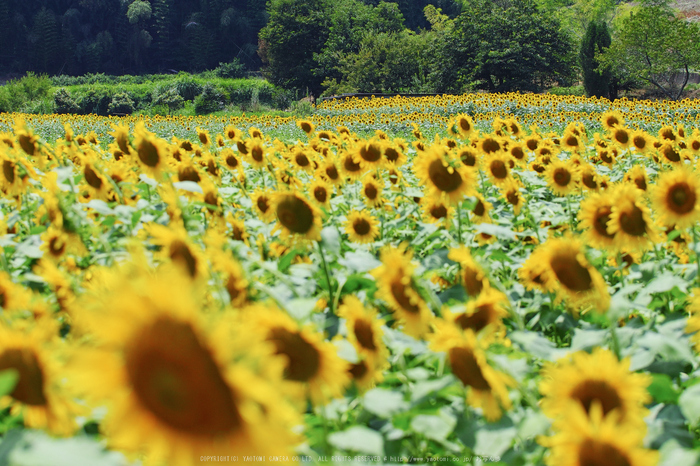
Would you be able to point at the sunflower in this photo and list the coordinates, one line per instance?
(464, 125)
(638, 176)
(179, 385)
(38, 394)
(396, 287)
(583, 380)
(351, 166)
(177, 247)
(564, 270)
(442, 176)
(630, 220)
(571, 142)
(232, 133)
(562, 177)
(262, 203)
(364, 331)
(487, 388)
(669, 154)
(296, 216)
(693, 324)
(302, 160)
(480, 212)
(312, 367)
(121, 138)
(328, 170)
(485, 312)
(497, 168)
(594, 217)
(676, 197)
(232, 276)
(641, 141)
(256, 153)
(370, 153)
(436, 210)
(472, 275)
(468, 155)
(306, 126)
(152, 151)
(203, 136)
(512, 195)
(582, 440)
(372, 191)
(612, 119)
(361, 227)
(321, 192)
(394, 155)
(666, 134)
(58, 243)
(621, 136)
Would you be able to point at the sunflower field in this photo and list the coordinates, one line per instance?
(478, 279)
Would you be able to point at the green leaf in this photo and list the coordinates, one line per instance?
(359, 261)
(358, 439)
(496, 230)
(661, 388)
(436, 428)
(33, 448)
(672, 453)
(494, 439)
(330, 241)
(286, 260)
(689, 402)
(8, 380)
(384, 403)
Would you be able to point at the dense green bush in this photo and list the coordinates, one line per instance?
(121, 104)
(17, 94)
(209, 101)
(231, 70)
(168, 97)
(64, 102)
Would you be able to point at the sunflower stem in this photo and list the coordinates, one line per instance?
(459, 223)
(615, 341)
(328, 278)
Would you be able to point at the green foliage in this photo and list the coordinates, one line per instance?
(64, 102)
(572, 90)
(596, 82)
(187, 86)
(121, 104)
(655, 47)
(231, 70)
(295, 31)
(168, 97)
(209, 101)
(16, 94)
(519, 47)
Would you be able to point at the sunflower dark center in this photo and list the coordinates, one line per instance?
(371, 191)
(148, 154)
(27, 144)
(600, 221)
(466, 368)
(477, 320)
(570, 273)
(263, 204)
(176, 379)
(231, 161)
(295, 214)
(370, 153)
(498, 169)
(364, 334)
(438, 211)
(304, 360)
(513, 197)
(302, 160)
(361, 226)
(181, 254)
(596, 453)
(681, 198)
(320, 194)
(597, 390)
(8, 169)
(358, 370)
(622, 136)
(57, 245)
(639, 142)
(391, 154)
(641, 183)
(30, 385)
(479, 208)
(444, 179)
(332, 172)
(188, 173)
(517, 152)
(632, 222)
(571, 141)
(399, 292)
(472, 283)
(588, 180)
(464, 125)
(468, 158)
(350, 165)
(562, 176)
(671, 154)
(490, 145)
(257, 153)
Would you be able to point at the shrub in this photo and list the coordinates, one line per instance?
(232, 70)
(167, 97)
(121, 104)
(210, 100)
(64, 103)
(188, 87)
(95, 100)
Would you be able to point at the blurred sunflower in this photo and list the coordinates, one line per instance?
(638, 176)
(262, 204)
(472, 275)
(179, 385)
(306, 126)
(582, 440)
(480, 212)
(443, 177)
(177, 247)
(436, 210)
(562, 177)
(152, 151)
(364, 331)
(582, 380)
(612, 119)
(361, 227)
(485, 312)
(321, 192)
(676, 198)
(487, 388)
(497, 168)
(397, 288)
(630, 220)
(296, 216)
(594, 217)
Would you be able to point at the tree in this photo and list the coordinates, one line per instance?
(655, 47)
(518, 46)
(596, 81)
(296, 30)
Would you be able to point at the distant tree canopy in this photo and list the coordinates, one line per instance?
(348, 45)
(128, 36)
